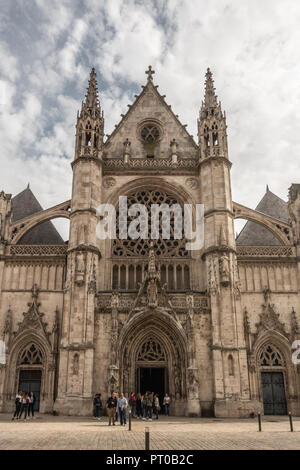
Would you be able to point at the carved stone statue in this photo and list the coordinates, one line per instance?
(80, 268)
(193, 383)
(152, 293)
(177, 382)
(267, 295)
(114, 300)
(127, 146)
(173, 145)
(224, 269)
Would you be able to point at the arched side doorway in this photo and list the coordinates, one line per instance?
(273, 378)
(30, 371)
(153, 357)
(31, 367)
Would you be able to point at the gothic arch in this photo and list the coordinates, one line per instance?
(47, 366)
(165, 332)
(282, 350)
(21, 227)
(137, 185)
(146, 182)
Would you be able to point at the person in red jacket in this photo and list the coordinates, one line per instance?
(132, 403)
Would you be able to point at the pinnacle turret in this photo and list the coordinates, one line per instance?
(210, 98)
(212, 123)
(90, 121)
(91, 105)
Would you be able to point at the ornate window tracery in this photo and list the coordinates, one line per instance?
(31, 355)
(270, 357)
(151, 351)
(150, 133)
(171, 247)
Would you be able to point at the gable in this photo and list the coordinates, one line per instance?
(150, 106)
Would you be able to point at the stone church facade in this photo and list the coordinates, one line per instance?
(213, 327)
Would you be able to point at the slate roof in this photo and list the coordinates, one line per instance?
(255, 234)
(25, 204)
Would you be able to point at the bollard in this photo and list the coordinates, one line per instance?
(259, 421)
(129, 420)
(291, 422)
(147, 439)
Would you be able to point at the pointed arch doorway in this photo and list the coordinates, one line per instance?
(272, 371)
(153, 357)
(152, 368)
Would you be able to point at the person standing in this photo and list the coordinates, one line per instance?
(149, 404)
(111, 405)
(97, 406)
(143, 406)
(31, 404)
(166, 404)
(156, 405)
(117, 408)
(132, 403)
(24, 406)
(123, 403)
(139, 406)
(18, 403)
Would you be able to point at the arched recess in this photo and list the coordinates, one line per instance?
(169, 335)
(23, 226)
(136, 186)
(46, 365)
(275, 347)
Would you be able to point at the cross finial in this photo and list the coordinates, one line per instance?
(150, 72)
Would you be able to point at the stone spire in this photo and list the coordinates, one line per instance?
(210, 97)
(212, 123)
(91, 105)
(90, 122)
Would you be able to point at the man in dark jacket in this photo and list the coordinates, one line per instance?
(111, 405)
(97, 406)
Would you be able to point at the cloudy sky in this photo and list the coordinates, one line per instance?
(47, 49)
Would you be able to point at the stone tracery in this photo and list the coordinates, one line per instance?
(172, 247)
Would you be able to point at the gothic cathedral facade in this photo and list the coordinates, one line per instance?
(212, 327)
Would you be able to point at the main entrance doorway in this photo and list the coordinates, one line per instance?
(273, 393)
(152, 379)
(30, 381)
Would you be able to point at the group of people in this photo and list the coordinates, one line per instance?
(24, 403)
(141, 406)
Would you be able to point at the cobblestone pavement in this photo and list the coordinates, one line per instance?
(49, 432)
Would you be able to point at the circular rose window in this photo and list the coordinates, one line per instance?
(150, 133)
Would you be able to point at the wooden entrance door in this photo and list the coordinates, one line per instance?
(273, 393)
(30, 381)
